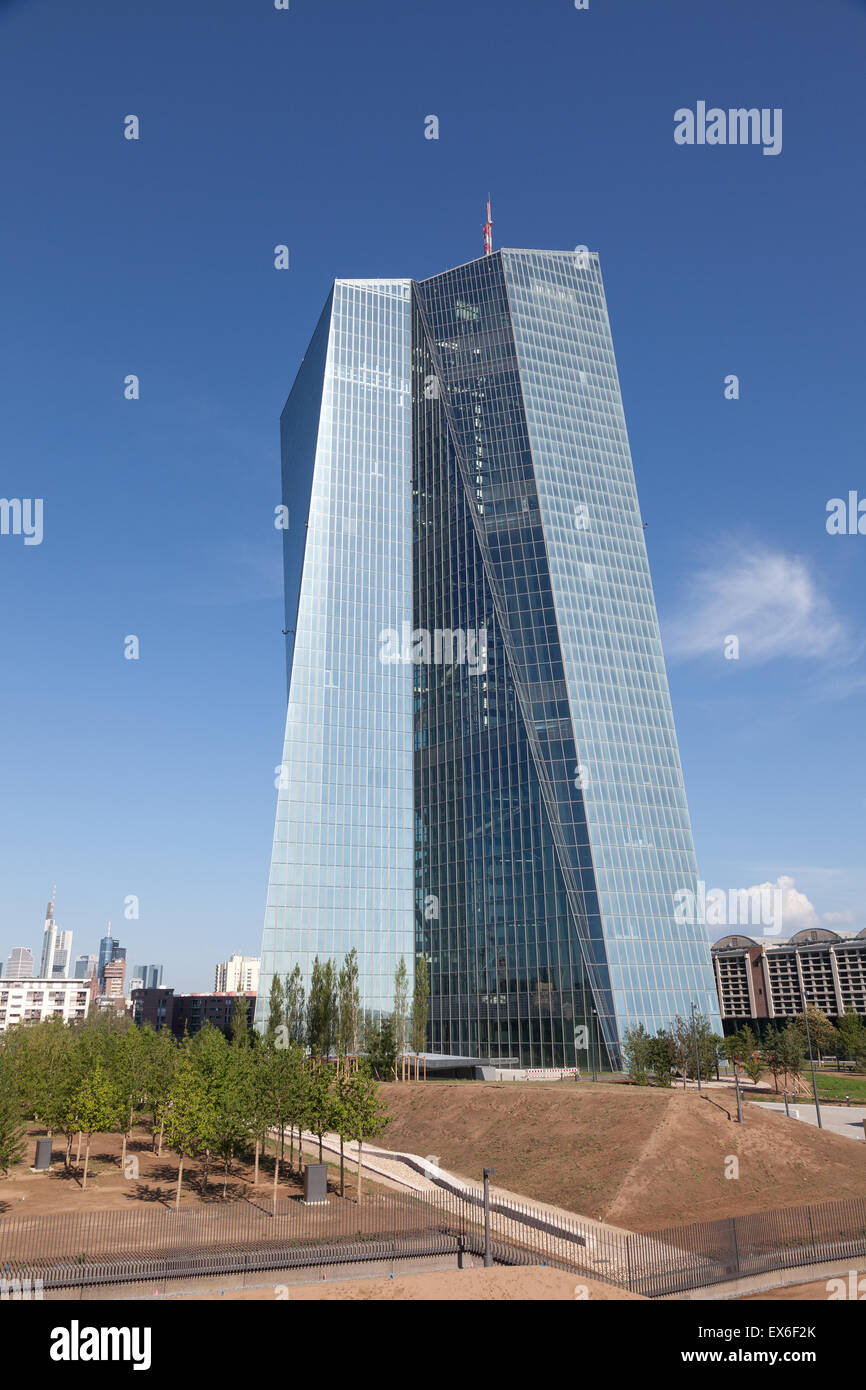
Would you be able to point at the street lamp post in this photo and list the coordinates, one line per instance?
(811, 1058)
(488, 1257)
(697, 1054)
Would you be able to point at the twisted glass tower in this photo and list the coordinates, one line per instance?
(480, 761)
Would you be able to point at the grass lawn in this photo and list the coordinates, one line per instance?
(829, 1088)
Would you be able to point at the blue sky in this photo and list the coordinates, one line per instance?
(155, 257)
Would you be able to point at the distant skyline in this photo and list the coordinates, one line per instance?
(154, 777)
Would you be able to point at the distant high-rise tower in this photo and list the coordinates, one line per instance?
(84, 967)
(480, 760)
(237, 975)
(150, 976)
(62, 956)
(115, 971)
(49, 942)
(19, 965)
(109, 950)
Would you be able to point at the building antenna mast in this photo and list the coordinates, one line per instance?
(488, 231)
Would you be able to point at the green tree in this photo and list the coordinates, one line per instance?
(241, 1033)
(748, 1054)
(295, 1007)
(637, 1053)
(98, 1108)
(823, 1034)
(852, 1039)
(790, 1046)
(285, 1080)
(234, 1106)
(48, 1065)
(189, 1116)
(401, 1003)
(380, 1043)
(209, 1054)
(12, 1127)
(362, 1116)
(663, 1057)
(322, 1008)
(276, 1005)
(349, 1004)
(127, 1060)
(420, 1005)
(298, 1101)
(772, 1054)
(320, 1100)
(159, 1053)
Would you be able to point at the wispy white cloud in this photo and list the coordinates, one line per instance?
(770, 602)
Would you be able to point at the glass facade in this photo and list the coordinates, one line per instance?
(341, 870)
(529, 784)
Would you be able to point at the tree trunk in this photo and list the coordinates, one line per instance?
(276, 1175)
(342, 1177)
(256, 1175)
(86, 1162)
(179, 1180)
(360, 1161)
(68, 1149)
(291, 1148)
(225, 1178)
(161, 1133)
(320, 1146)
(78, 1150)
(282, 1140)
(206, 1171)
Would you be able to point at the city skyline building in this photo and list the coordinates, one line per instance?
(150, 976)
(49, 941)
(480, 759)
(20, 964)
(31, 1000)
(110, 950)
(62, 955)
(84, 967)
(237, 975)
(113, 978)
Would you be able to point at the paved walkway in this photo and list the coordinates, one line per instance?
(837, 1119)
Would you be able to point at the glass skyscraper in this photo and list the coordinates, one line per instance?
(480, 760)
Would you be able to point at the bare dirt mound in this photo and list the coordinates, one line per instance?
(637, 1157)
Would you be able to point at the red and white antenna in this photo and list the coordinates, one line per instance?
(488, 232)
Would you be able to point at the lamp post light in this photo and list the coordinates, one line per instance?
(804, 997)
(488, 1257)
(697, 1055)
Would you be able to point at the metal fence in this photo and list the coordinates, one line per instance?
(73, 1249)
(713, 1252)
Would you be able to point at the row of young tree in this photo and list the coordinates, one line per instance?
(690, 1046)
(331, 1020)
(207, 1098)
